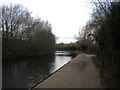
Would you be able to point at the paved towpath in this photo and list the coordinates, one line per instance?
(78, 73)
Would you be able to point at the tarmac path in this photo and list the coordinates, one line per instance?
(78, 73)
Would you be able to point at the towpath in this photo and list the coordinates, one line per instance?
(78, 73)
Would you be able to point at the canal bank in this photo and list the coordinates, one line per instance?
(78, 73)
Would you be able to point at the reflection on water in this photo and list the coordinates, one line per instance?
(62, 53)
(27, 72)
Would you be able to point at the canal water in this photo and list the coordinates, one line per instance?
(27, 72)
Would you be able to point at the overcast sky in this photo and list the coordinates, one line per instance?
(65, 16)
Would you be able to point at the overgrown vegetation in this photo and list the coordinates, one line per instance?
(24, 35)
(105, 31)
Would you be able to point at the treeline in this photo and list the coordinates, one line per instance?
(24, 35)
(104, 31)
(85, 42)
(85, 46)
(66, 47)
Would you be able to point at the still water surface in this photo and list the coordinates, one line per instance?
(27, 72)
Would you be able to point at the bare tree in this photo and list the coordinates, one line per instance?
(14, 18)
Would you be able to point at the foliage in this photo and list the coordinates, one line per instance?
(106, 26)
(24, 35)
(66, 47)
(86, 46)
(85, 42)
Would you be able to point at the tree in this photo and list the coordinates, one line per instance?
(24, 35)
(14, 18)
(85, 40)
(106, 26)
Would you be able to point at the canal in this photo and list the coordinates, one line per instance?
(27, 72)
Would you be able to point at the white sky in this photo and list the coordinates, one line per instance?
(65, 16)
